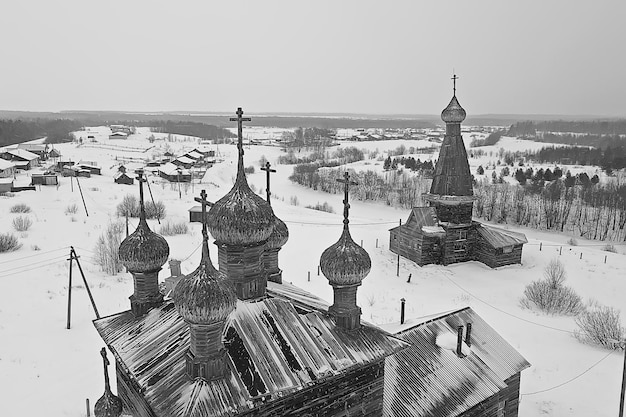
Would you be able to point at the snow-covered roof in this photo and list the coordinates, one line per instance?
(185, 160)
(24, 154)
(171, 169)
(194, 155)
(118, 134)
(6, 180)
(274, 346)
(500, 238)
(4, 164)
(463, 382)
(422, 220)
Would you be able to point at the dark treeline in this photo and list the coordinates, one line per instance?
(597, 141)
(490, 140)
(427, 168)
(609, 159)
(56, 130)
(597, 127)
(200, 130)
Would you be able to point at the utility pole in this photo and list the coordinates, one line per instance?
(621, 397)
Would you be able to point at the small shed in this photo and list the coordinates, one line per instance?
(81, 172)
(44, 179)
(122, 178)
(95, 170)
(195, 214)
(498, 247)
(6, 184)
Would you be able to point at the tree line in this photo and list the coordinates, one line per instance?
(18, 130)
(597, 127)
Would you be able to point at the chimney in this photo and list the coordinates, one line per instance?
(468, 335)
(459, 342)
(175, 268)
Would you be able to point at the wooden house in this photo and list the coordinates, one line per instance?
(44, 179)
(21, 158)
(477, 372)
(498, 247)
(122, 178)
(118, 135)
(94, 170)
(196, 156)
(171, 172)
(41, 150)
(206, 152)
(121, 128)
(184, 161)
(7, 169)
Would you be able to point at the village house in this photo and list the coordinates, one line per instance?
(6, 184)
(174, 173)
(118, 135)
(122, 178)
(7, 169)
(41, 150)
(121, 129)
(44, 179)
(184, 161)
(444, 232)
(20, 158)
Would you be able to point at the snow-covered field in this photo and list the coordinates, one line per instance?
(48, 370)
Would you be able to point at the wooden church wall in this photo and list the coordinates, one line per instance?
(356, 393)
(450, 253)
(417, 247)
(134, 404)
(496, 257)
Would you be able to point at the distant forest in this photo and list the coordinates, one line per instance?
(200, 130)
(17, 131)
(596, 127)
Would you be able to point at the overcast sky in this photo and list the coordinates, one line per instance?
(524, 56)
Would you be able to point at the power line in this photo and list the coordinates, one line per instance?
(510, 314)
(35, 267)
(571, 379)
(34, 254)
(338, 224)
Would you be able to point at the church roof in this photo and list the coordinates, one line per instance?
(499, 238)
(426, 379)
(275, 346)
(421, 220)
(452, 173)
(453, 113)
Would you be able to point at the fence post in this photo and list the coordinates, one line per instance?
(318, 270)
(604, 258)
(402, 301)
(581, 255)
(560, 249)
(87, 404)
(540, 243)
(376, 242)
(309, 276)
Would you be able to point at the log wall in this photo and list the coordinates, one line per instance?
(495, 257)
(417, 247)
(503, 404)
(450, 252)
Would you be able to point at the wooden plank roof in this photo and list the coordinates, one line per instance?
(273, 348)
(452, 173)
(427, 379)
(422, 220)
(499, 238)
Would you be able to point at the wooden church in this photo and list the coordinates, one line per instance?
(444, 232)
(238, 341)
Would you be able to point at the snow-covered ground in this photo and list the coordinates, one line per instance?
(48, 370)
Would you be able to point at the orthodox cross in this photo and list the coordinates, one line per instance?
(346, 186)
(141, 180)
(240, 121)
(105, 360)
(454, 78)
(268, 170)
(202, 200)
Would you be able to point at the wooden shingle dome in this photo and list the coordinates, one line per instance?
(204, 296)
(345, 262)
(143, 250)
(241, 217)
(453, 113)
(279, 236)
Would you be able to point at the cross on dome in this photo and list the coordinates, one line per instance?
(346, 188)
(268, 170)
(239, 119)
(454, 78)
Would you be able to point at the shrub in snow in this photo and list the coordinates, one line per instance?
(20, 208)
(609, 248)
(249, 170)
(9, 243)
(572, 242)
(130, 207)
(293, 200)
(22, 223)
(322, 207)
(448, 341)
(71, 209)
(600, 325)
(171, 228)
(107, 246)
(550, 295)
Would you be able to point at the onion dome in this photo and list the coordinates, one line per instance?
(279, 236)
(143, 250)
(345, 262)
(205, 296)
(108, 405)
(454, 113)
(241, 217)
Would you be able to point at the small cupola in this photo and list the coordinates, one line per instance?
(108, 405)
(204, 299)
(241, 223)
(345, 264)
(143, 253)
